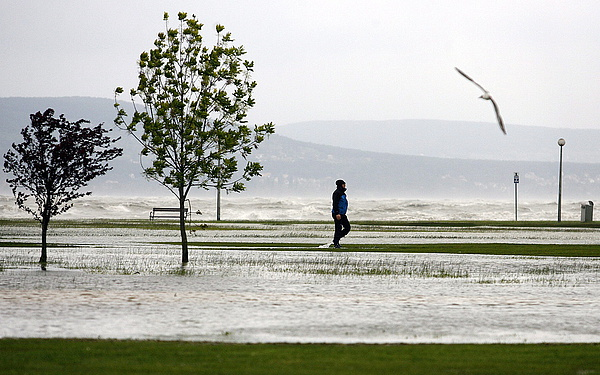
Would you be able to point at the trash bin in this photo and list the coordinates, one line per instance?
(587, 211)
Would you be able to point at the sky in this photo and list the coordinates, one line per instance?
(332, 59)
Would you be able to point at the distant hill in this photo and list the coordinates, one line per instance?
(297, 168)
(451, 139)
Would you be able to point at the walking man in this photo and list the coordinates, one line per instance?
(338, 211)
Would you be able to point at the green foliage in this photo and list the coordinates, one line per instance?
(54, 161)
(195, 101)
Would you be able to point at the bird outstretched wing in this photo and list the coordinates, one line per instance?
(486, 95)
(470, 79)
(500, 122)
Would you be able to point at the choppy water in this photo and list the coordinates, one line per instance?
(115, 283)
(255, 297)
(253, 208)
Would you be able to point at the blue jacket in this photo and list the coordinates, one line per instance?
(340, 202)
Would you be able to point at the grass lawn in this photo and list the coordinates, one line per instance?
(449, 248)
(58, 356)
(489, 249)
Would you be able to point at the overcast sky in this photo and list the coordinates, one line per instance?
(333, 60)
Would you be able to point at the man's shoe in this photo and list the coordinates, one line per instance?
(337, 246)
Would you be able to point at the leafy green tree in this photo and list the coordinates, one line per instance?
(54, 161)
(192, 125)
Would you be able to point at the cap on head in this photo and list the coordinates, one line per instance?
(340, 183)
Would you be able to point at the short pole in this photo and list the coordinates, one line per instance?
(561, 143)
(516, 180)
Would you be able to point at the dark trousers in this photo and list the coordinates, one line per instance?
(342, 227)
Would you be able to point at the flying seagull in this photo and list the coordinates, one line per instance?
(486, 95)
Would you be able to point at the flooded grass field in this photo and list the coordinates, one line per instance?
(126, 282)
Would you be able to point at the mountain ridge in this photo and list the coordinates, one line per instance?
(451, 139)
(299, 168)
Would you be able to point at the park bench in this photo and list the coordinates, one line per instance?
(167, 212)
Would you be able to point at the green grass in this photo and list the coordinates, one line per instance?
(487, 249)
(199, 225)
(32, 244)
(57, 356)
(448, 248)
(484, 223)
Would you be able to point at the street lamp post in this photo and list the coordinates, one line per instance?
(516, 180)
(561, 143)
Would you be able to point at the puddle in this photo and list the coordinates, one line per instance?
(262, 296)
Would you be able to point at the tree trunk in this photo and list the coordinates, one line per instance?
(218, 203)
(184, 244)
(44, 256)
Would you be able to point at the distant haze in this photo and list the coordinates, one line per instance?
(451, 139)
(443, 164)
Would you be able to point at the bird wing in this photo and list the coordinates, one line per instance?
(470, 79)
(500, 122)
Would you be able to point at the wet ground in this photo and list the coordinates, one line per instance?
(115, 283)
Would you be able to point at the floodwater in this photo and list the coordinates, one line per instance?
(116, 283)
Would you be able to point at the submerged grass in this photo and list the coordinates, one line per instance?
(55, 356)
(374, 266)
(555, 250)
(148, 256)
(553, 271)
(58, 356)
(567, 250)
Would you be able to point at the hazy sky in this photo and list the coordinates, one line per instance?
(333, 60)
